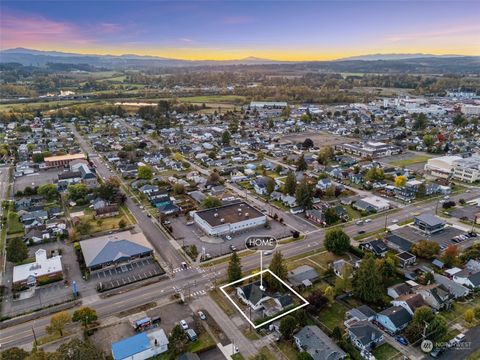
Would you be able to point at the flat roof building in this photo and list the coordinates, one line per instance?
(141, 346)
(370, 149)
(42, 269)
(228, 219)
(62, 160)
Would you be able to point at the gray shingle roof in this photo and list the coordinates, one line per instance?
(318, 344)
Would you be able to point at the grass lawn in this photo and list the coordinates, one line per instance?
(238, 356)
(417, 159)
(14, 225)
(110, 223)
(332, 316)
(474, 356)
(324, 259)
(287, 349)
(352, 213)
(204, 341)
(385, 352)
(222, 301)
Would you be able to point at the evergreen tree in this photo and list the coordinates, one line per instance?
(367, 282)
(303, 195)
(290, 184)
(17, 251)
(277, 267)
(301, 163)
(234, 271)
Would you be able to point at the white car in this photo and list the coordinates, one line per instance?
(183, 324)
(394, 221)
(228, 237)
(202, 315)
(456, 340)
(368, 221)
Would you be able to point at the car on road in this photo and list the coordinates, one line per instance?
(233, 248)
(437, 352)
(228, 237)
(184, 265)
(394, 221)
(359, 222)
(184, 324)
(201, 315)
(361, 232)
(148, 215)
(368, 221)
(190, 223)
(268, 252)
(401, 340)
(456, 340)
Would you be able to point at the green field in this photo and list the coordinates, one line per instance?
(386, 352)
(417, 159)
(230, 99)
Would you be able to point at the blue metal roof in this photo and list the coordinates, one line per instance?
(130, 346)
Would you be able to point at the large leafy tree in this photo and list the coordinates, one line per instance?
(58, 323)
(211, 202)
(368, 283)
(77, 349)
(426, 249)
(337, 241)
(85, 315)
(49, 191)
(14, 353)
(234, 271)
(145, 172)
(287, 326)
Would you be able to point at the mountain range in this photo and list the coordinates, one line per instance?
(397, 63)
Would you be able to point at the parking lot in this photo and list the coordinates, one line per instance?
(36, 179)
(443, 238)
(188, 235)
(467, 212)
(126, 274)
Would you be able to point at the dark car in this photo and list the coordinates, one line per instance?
(361, 232)
(437, 352)
(401, 340)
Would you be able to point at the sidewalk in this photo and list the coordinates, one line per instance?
(246, 347)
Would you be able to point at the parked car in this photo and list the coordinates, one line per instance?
(456, 340)
(361, 232)
(228, 237)
(184, 324)
(233, 248)
(437, 352)
(401, 340)
(184, 265)
(201, 315)
(268, 252)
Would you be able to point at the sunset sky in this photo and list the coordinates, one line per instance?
(281, 30)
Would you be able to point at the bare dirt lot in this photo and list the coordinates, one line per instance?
(319, 138)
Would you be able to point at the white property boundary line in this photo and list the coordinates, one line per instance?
(305, 302)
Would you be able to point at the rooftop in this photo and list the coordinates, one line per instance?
(229, 214)
(65, 157)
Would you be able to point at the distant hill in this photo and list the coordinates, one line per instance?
(376, 63)
(30, 57)
(373, 57)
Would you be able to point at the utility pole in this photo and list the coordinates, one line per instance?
(34, 336)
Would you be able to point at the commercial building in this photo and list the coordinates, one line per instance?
(370, 149)
(470, 109)
(429, 223)
(441, 167)
(115, 249)
(229, 219)
(141, 346)
(43, 269)
(372, 204)
(467, 169)
(268, 105)
(62, 160)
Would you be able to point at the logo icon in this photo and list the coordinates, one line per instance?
(426, 346)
